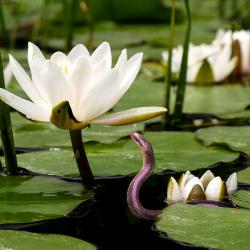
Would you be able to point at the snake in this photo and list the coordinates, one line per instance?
(133, 191)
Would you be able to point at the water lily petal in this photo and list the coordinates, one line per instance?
(34, 53)
(51, 83)
(97, 99)
(78, 51)
(224, 72)
(184, 179)
(131, 70)
(173, 191)
(206, 178)
(62, 61)
(215, 190)
(7, 74)
(231, 183)
(129, 116)
(193, 190)
(102, 52)
(80, 79)
(25, 82)
(30, 109)
(122, 61)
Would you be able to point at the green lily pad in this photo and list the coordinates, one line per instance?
(173, 150)
(16, 240)
(26, 199)
(211, 227)
(242, 198)
(244, 175)
(236, 138)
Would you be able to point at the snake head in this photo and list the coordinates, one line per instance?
(141, 141)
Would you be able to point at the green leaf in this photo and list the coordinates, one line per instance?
(211, 227)
(16, 240)
(173, 150)
(244, 175)
(26, 199)
(205, 74)
(242, 198)
(236, 138)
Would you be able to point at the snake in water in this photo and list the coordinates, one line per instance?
(133, 200)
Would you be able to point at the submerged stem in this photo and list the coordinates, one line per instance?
(6, 132)
(81, 158)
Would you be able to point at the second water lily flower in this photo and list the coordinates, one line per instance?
(206, 63)
(208, 187)
(75, 90)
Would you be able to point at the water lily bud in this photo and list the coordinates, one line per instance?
(231, 183)
(206, 178)
(174, 192)
(184, 179)
(193, 190)
(215, 190)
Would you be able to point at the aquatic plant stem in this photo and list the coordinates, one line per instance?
(168, 72)
(70, 7)
(3, 30)
(81, 158)
(181, 85)
(6, 132)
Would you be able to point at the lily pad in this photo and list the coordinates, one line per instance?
(236, 138)
(26, 199)
(211, 227)
(244, 175)
(16, 240)
(242, 198)
(173, 150)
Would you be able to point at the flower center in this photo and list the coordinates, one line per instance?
(64, 69)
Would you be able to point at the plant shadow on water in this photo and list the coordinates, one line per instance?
(106, 220)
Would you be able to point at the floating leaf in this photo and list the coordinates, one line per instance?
(244, 175)
(173, 150)
(26, 199)
(16, 240)
(236, 138)
(211, 227)
(242, 198)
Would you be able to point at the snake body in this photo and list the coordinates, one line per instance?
(133, 200)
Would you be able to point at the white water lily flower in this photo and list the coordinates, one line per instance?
(75, 90)
(7, 74)
(208, 187)
(204, 62)
(241, 37)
